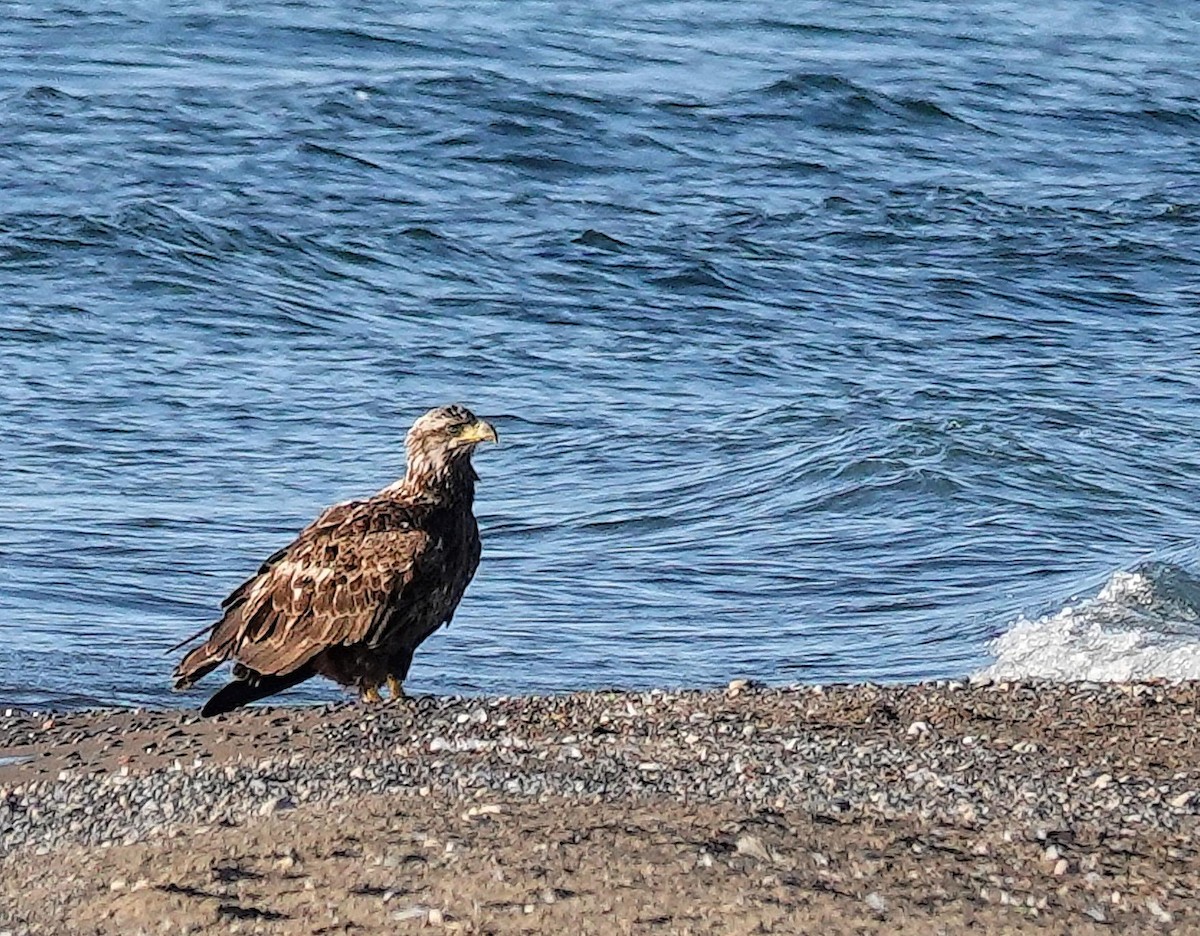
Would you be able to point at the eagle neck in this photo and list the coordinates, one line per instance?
(445, 481)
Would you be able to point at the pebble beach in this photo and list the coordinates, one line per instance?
(923, 808)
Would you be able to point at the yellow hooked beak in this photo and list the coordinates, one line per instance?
(479, 431)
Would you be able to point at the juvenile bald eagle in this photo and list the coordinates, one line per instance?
(357, 591)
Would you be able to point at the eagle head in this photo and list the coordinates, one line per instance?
(445, 437)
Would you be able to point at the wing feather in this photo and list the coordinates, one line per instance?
(334, 584)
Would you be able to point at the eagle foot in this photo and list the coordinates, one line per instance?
(370, 694)
(396, 688)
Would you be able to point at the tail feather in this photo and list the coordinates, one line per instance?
(187, 640)
(198, 664)
(249, 688)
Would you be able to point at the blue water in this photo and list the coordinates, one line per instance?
(824, 339)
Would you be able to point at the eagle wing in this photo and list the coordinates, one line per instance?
(337, 583)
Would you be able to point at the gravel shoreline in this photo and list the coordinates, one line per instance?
(1090, 791)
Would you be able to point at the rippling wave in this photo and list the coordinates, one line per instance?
(1143, 624)
(825, 343)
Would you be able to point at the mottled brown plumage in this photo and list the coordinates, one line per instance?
(363, 585)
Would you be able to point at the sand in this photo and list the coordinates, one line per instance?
(861, 809)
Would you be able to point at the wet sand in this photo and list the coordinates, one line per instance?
(916, 809)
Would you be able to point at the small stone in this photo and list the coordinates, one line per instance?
(1178, 802)
(415, 912)
(1157, 911)
(1060, 867)
(435, 917)
(753, 846)
(918, 728)
(736, 687)
(275, 804)
(1102, 782)
(117, 884)
(876, 902)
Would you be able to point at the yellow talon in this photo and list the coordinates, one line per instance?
(395, 687)
(371, 694)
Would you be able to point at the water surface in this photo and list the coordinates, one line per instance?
(824, 340)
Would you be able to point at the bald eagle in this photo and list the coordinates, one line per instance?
(357, 591)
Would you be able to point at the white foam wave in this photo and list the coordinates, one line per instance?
(1144, 624)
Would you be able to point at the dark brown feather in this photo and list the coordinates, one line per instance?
(365, 583)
